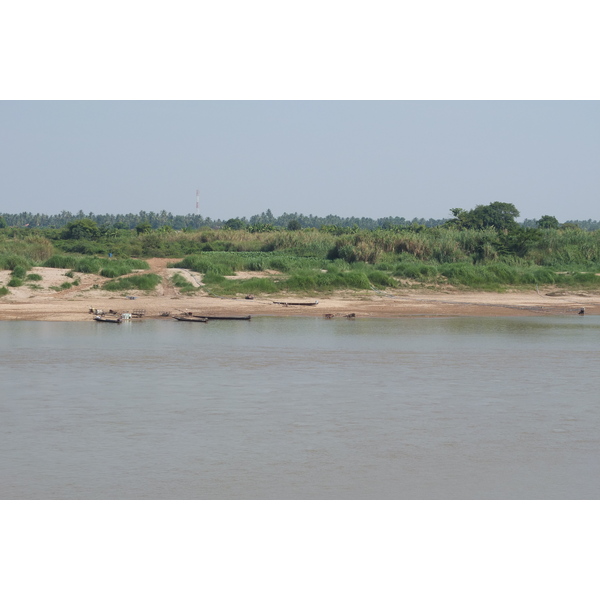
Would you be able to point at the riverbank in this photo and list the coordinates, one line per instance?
(47, 301)
(365, 305)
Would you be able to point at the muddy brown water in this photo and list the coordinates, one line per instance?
(301, 408)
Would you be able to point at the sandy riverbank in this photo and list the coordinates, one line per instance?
(38, 302)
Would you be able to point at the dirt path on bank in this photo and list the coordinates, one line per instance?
(44, 300)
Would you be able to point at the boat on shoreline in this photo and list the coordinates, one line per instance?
(298, 303)
(246, 318)
(192, 319)
(106, 320)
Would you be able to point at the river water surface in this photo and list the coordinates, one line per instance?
(301, 408)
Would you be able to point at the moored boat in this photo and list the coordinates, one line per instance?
(191, 319)
(106, 320)
(298, 303)
(246, 318)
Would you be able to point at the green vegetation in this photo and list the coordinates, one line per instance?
(134, 282)
(184, 286)
(104, 266)
(4, 291)
(482, 248)
(500, 215)
(83, 229)
(67, 285)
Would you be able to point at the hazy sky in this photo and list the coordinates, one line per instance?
(350, 158)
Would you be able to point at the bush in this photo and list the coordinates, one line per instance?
(8, 262)
(4, 291)
(381, 279)
(19, 271)
(60, 261)
(34, 277)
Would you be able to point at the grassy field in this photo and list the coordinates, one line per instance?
(309, 260)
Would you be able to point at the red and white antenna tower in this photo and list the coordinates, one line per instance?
(197, 202)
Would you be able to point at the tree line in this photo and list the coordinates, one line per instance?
(481, 215)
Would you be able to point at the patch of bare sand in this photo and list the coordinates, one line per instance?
(252, 274)
(41, 303)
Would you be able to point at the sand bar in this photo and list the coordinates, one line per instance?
(42, 303)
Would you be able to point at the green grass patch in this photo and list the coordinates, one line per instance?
(134, 282)
(8, 262)
(184, 286)
(61, 261)
(4, 291)
(107, 267)
(67, 285)
(254, 285)
(34, 277)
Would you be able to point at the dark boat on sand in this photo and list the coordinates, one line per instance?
(106, 320)
(298, 303)
(246, 318)
(191, 319)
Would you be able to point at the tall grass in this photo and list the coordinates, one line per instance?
(9, 261)
(492, 276)
(311, 260)
(228, 263)
(105, 266)
(33, 249)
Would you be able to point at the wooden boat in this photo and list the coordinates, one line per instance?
(106, 320)
(298, 303)
(247, 318)
(191, 319)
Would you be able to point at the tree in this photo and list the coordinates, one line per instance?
(294, 225)
(548, 222)
(3, 223)
(500, 215)
(143, 227)
(234, 224)
(81, 229)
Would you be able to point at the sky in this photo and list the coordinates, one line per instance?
(348, 158)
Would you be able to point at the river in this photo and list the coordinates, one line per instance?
(301, 408)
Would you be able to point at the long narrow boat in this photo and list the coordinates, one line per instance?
(247, 318)
(191, 319)
(298, 303)
(105, 320)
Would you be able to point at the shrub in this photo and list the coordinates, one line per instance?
(113, 271)
(382, 279)
(34, 277)
(60, 261)
(19, 271)
(4, 291)
(8, 262)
